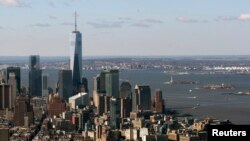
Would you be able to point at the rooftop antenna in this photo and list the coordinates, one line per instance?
(75, 21)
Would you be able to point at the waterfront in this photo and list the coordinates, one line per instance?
(213, 103)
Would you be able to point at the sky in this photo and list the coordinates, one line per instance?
(126, 27)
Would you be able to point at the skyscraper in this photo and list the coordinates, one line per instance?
(23, 109)
(98, 91)
(141, 99)
(125, 89)
(115, 110)
(13, 88)
(99, 83)
(126, 107)
(76, 57)
(45, 85)
(158, 104)
(112, 83)
(85, 84)
(65, 84)
(106, 83)
(35, 76)
(17, 72)
(5, 96)
(34, 62)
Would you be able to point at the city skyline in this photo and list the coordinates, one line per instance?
(125, 28)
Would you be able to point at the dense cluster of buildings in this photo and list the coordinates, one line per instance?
(117, 111)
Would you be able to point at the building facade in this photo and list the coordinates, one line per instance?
(125, 89)
(5, 96)
(65, 84)
(115, 110)
(17, 72)
(112, 83)
(158, 104)
(23, 110)
(141, 99)
(35, 76)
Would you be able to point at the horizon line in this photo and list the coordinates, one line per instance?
(122, 56)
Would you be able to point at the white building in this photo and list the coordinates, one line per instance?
(78, 99)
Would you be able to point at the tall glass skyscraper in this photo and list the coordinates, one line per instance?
(112, 83)
(76, 57)
(34, 62)
(65, 84)
(35, 76)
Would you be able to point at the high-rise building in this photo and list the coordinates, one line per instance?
(76, 57)
(106, 104)
(107, 84)
(45, 85)
(65, 84)
(85, 84)
(34, 62)
(126, 107)
(115, 110)
(13, 91)
(158, 104)
(99, 83)
(100, 104)
(35, 82)
(95, 90)
(35, 76)
(5, 96)
(112, 83)
(125, 89)
(141, 99)
(23, 111)
(99, 88)
(17, 72)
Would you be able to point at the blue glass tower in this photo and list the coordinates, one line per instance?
(76, 57)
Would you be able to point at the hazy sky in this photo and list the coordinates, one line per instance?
(126, 27)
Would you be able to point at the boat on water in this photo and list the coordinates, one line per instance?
(190, 90)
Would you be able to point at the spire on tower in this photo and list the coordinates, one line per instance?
(75, 21)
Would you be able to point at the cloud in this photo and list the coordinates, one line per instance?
(107, 24)
(186, 19)
(14, 3)
(244, 17)
(41, 25)
(125, 18)
(147, 23)
(67, 23)
(153, 21)
(1, 27)
(225, 18)
(139, 24)
(52, 17)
